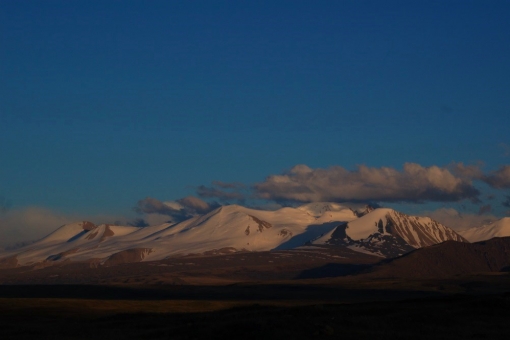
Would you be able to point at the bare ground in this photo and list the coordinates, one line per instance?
(303, 294)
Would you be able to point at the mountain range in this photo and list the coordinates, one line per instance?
(385, 233)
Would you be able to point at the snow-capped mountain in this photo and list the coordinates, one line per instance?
(389, 233)
(499, 228)
(232, 228)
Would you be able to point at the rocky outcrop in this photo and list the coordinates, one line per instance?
(261, 224)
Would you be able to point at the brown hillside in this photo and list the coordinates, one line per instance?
(448, 259)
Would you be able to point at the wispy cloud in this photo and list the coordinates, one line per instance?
(228, 185)
(499, 179)
(177, 210)
(209, 192)
(225, 192)
(4, 205)
(485, 209)
(506, 202)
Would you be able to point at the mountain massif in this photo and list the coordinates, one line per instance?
(229, 229)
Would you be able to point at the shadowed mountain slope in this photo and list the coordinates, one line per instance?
(448, 259)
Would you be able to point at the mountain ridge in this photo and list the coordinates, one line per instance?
(380, 232)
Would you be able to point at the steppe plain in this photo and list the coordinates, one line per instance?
(302, 294)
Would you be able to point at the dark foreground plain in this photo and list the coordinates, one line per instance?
(296, 295)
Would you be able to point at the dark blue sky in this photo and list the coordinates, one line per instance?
(103, 103)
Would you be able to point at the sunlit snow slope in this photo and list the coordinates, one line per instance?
(499, 228)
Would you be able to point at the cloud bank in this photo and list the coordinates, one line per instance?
(414, 183)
